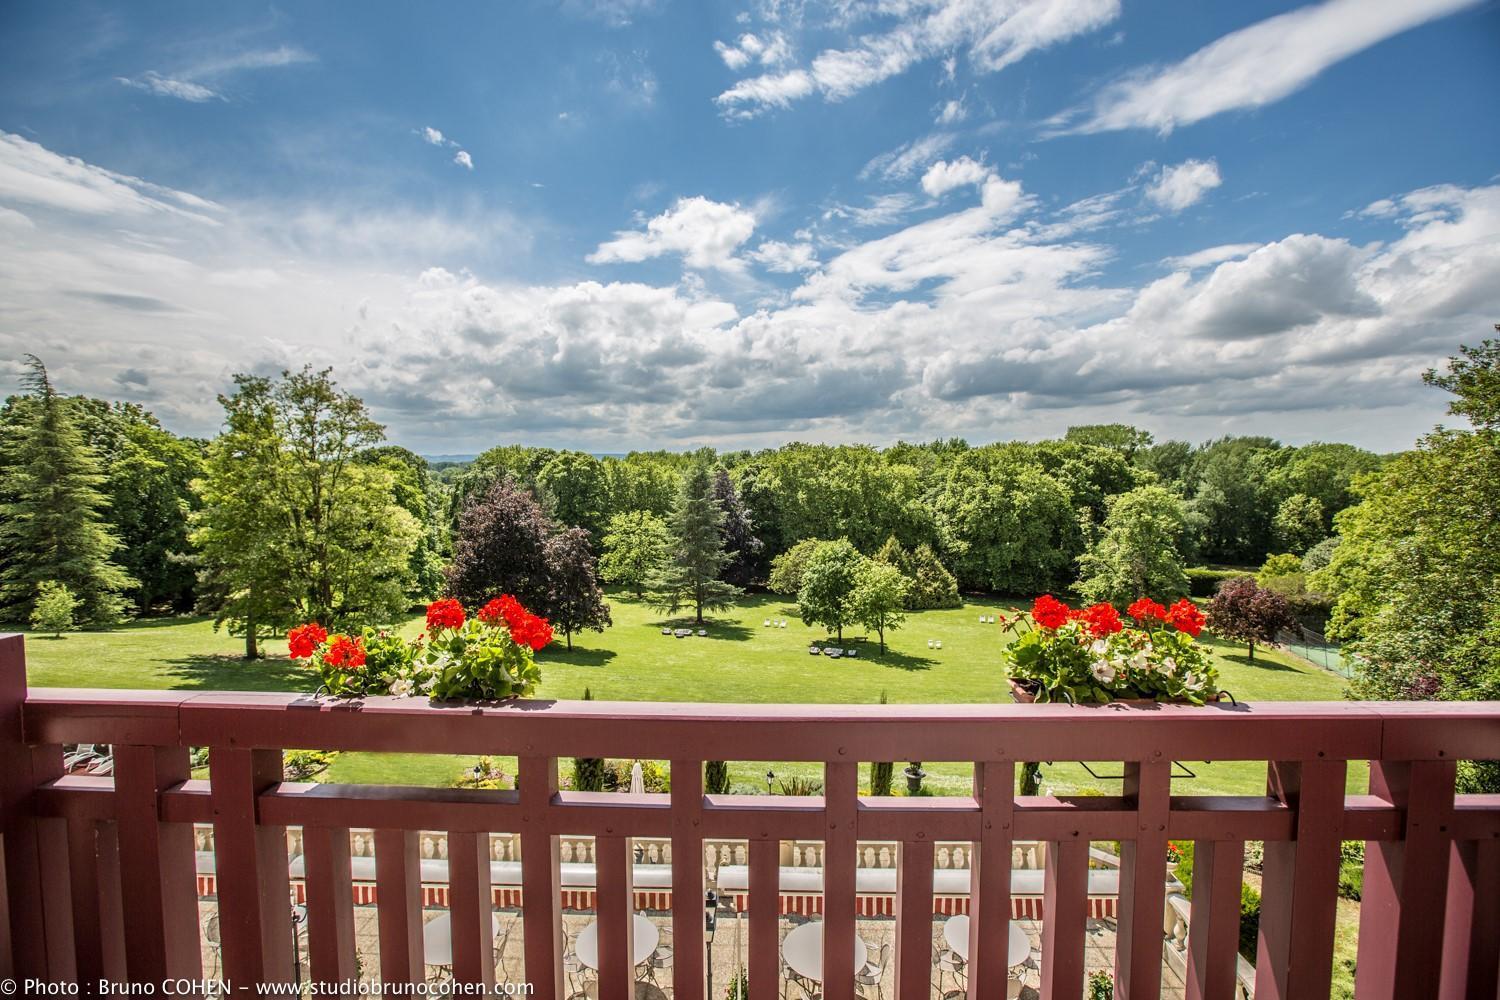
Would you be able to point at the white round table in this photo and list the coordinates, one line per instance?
(646, 938)
(802, 950)
(437, 938)
(956, 933)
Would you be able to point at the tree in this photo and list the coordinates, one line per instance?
(501, 547)
(52, 524)
(53, 611)
(1137, 554)
(1245, 611)
(636, 547)
(577, 485)
(929, 584)
(786, 569)
(691, 577)
(716, 777)
(293, 528)
(881, 770)
(1320, 555)
(1416, 575)
(738, 531)
(425, 498)
(878, 598)
(574, 601)
(1005, 524)
(828, 582)
(1118, 437)
(1299, 523)
(588, 772)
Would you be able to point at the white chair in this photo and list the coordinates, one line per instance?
(874, 972)
(767, 623)
(938, 644)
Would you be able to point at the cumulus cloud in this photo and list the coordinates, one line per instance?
(1252, 67)
(433, 136)
(971, 321)
(992, 34)
(1175, 188)
(943, 176)
(770, 50)
(463, 159)
(706, 233)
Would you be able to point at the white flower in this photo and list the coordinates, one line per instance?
(1098, 646)
(1169, 665)
(1146, 648)
(1139, 661)
(1104, 670)
(401, 687)
(428, 683)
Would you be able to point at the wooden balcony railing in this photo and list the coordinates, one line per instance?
(99, 872)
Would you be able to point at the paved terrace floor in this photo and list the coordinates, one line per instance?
(730, 952)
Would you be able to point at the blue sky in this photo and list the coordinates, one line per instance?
(635, 223)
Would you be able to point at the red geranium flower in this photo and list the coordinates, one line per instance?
(526, 628)
(1048, 612)
(302, 641)
(445, 613)
(1184, 616)
(1146, 608)
(345, 652)
(1102, 620)
(492, 613)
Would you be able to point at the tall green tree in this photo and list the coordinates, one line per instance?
(636, 547)
(739, 532)
(577, 485)
(786, 569)
(574, 601)
(52, 521)
(1416, 574)
(879, 597)
(422, 495)
(501, 547)
(691, 576)
(1299, 523)
(828, 582)
(293, 528)
(1138, 553)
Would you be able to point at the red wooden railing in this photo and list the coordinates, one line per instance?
(98, 873)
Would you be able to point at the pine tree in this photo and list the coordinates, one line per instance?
(52, 526)
(738, 531)
(691, 578)
(54, 609)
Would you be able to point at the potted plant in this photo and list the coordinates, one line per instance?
(1090, 655)
(914, 775)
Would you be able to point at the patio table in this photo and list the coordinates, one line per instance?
(802, 949)
(646, 938)
(956, 933)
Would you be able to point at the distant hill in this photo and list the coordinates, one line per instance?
(466, 459)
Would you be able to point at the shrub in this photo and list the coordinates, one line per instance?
(1101, 985)
(881, 770)
(1320, 555)
(1352, 869)
(786, 569)
(739, 987)
(1204, 582)
(1285, 564)
(716, 777)
(588, 772)
(1249, 921)
(54, 608)
(299, 765)
(798, 785)
(617, 776)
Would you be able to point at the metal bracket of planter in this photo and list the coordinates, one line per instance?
(1187, 772)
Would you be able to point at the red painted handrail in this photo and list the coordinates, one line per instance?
(81, 853)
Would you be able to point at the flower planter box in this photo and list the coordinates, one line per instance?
(1024, 693)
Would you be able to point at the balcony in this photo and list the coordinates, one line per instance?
(110, 877)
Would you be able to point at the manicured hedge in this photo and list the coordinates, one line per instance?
(1203, 582)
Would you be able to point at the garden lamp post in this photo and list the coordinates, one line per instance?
(770, 777)
(710, 924)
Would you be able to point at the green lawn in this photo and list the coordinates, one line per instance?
(740, 660)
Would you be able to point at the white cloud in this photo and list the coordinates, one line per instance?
(905, 160)
(1252, 67)
(706, 233)
(1210, 256)
(784, 258)
(952, 112)
(992, 34)
(944, 176)
(188, 85)
(432, 135)
(771, 50)
(879, 210)
(463, 159)
(1175, 188)
(154, 83)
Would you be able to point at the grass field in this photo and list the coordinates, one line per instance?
(740, 660)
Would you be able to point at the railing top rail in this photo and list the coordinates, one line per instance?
(960, 732)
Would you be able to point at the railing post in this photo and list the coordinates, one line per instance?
(1065, 917)
(687, 879)
(540, 877)
(470, 907)
(1405, 890)
(330, 905)
(255, 908)
(398, 901)
(1299, 901)
(1143, 897)
(989, 880)
(615, 901)
(1471, 940)
(161, 936)
(913, 979)
(1214, 928)
(765, 912)
(23, 931)
(840, 863)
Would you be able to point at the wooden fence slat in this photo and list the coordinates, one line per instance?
(52, 856)
(1405, 891)
(111, 901)
(398, 902)
(1143, 864)
(88, 930)
(913, 972)
(687, 878)
(1299, 886)
(540, 878)
(23, 942)
(161, 936)
(1214, 926)
(989, 899)
(330, 905)
(840, 862)
(765, 910)
(1065, 916)
(615, 898)
(470, 907)
(255, 910)
(1471, 938)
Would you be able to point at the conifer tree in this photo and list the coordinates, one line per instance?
(691, 577)
(52, 524)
